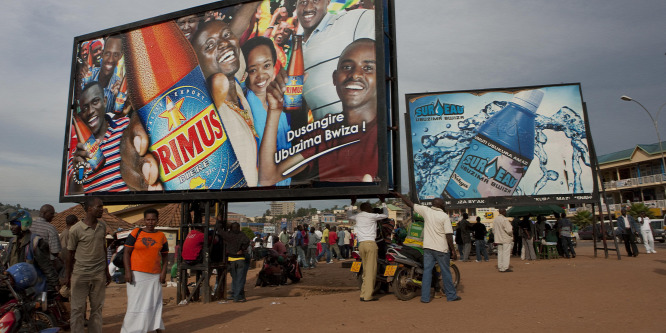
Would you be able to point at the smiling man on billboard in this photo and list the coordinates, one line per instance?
(346, 146)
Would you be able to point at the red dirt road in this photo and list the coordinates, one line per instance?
(577, 295)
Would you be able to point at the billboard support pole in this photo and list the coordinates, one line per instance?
(599, 185)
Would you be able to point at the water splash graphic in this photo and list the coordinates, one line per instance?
(441, 152)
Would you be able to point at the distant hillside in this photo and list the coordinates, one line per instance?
(4, 207)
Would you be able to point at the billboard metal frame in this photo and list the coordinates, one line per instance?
(388, 160)
(505, 201)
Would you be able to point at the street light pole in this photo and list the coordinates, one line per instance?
(656, 128)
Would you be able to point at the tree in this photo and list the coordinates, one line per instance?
(582, 218)
(636, 209)
(248, 232)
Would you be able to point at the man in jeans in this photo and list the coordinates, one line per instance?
(565, 234)
(324, 246)
(465, 230)
(437, 246)
(480, 239)
(299, 244)
(87, 275)
(236, 245)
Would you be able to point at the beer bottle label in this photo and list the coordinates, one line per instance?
(293, 95)
(120, 102)
(188, 138)
(487, 169)
(93, 149)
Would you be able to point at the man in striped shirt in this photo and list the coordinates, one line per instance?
(42, 227)
(108, 132)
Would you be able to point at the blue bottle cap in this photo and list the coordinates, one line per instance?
(529, 99)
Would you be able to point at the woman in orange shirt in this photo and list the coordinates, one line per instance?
(145, 262)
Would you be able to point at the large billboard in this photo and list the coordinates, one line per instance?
(238, 100)
(500, 147)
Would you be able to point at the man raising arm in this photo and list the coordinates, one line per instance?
(437, 246)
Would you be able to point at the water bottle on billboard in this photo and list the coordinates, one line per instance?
(498, 157)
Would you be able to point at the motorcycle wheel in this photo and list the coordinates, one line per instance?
(40, 321)
(401, 287)
(455, 275)
(59, 313)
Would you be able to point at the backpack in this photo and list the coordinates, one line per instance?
(119, 258)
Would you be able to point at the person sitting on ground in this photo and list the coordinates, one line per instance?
(279, 247)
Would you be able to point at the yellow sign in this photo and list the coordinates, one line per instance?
(390, 270)
(356, 267)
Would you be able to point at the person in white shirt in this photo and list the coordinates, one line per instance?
(325, 36)
(504, 240)
(647, 233)
(366, 232)
(437, 246)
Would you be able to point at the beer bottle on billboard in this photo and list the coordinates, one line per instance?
(168, 91)
(83, 134)
(498, 157)
(293, 95)
(121, 97)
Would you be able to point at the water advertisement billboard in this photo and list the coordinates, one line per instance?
(239, 100)
(500, 147)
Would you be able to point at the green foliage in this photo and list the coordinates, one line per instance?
(248, 232)
(582, 218)
(637, 208)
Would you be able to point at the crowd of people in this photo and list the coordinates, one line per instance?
(77, 260)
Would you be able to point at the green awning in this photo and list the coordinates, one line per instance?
(534, 210)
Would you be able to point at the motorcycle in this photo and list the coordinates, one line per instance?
(23, 312)
(408, 272)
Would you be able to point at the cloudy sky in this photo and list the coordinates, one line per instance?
(611, 47)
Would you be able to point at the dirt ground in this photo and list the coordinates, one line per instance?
(581, 294)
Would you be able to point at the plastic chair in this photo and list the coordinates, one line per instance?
(549, 247)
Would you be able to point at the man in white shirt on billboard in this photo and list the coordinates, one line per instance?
(366, 232)
(324, 37)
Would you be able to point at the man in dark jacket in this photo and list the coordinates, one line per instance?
(29, 248)
(466, 229)
(480, 239)
(628, 228)
(236, 243)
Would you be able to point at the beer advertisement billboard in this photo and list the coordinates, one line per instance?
(501, 147)
(236, 100)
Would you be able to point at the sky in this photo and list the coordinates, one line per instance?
(611, 47)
